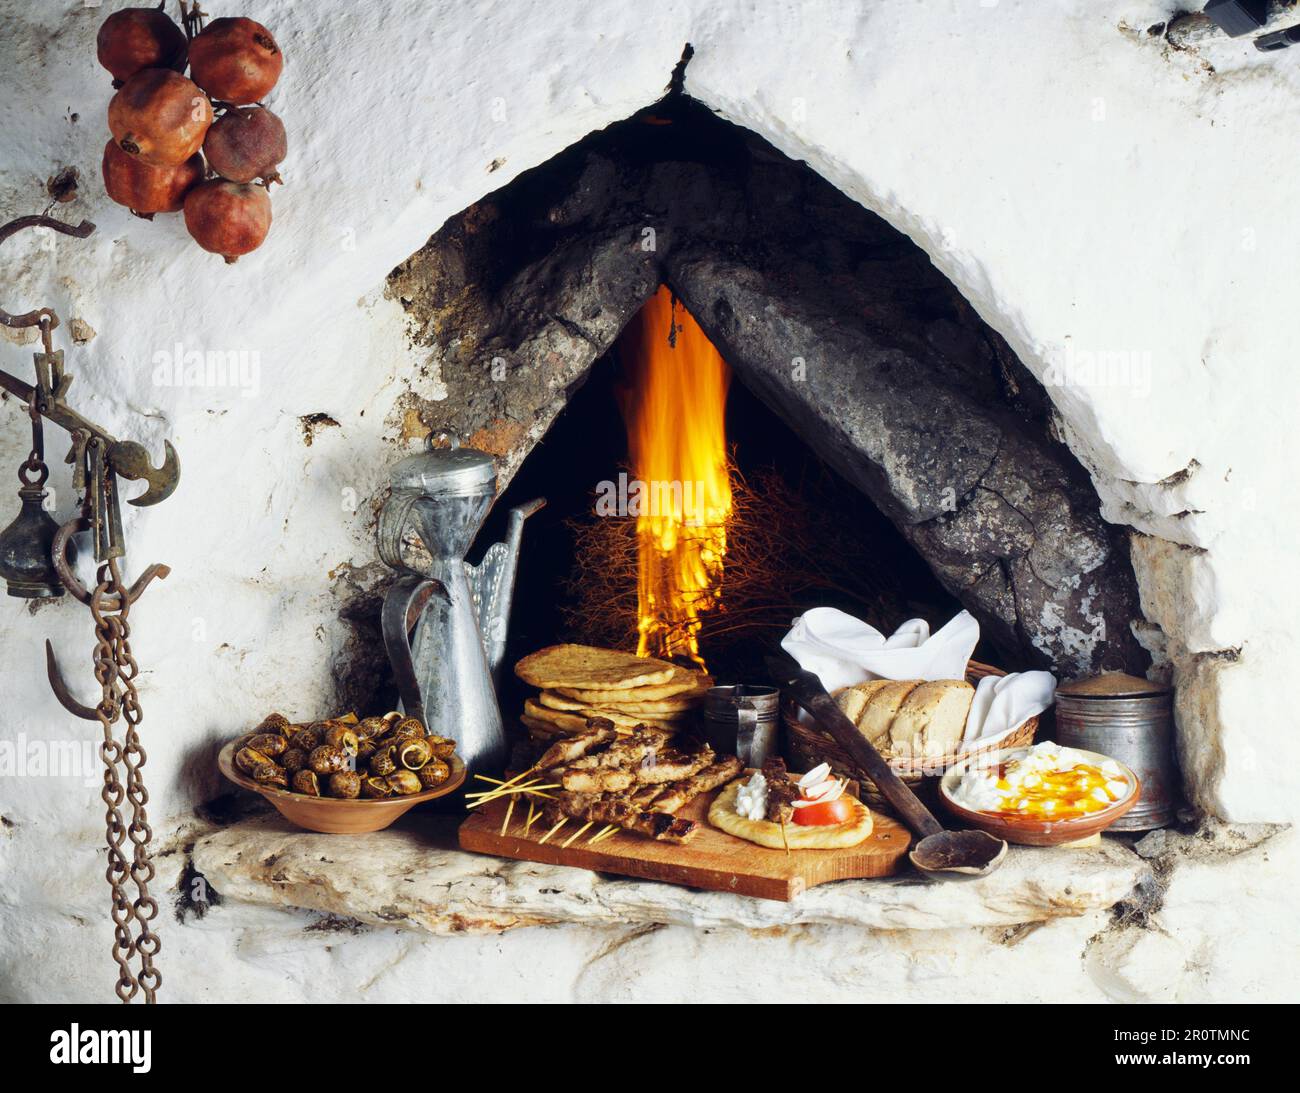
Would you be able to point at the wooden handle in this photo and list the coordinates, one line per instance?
(831, 718)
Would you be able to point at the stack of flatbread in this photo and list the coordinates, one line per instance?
(579, 682)
(909, 718)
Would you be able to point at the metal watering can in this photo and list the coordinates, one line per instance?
(445, 625)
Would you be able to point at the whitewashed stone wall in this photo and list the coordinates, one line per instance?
(1100, 199)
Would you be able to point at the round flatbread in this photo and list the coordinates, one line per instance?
(591, 669)
(683, 683)
(723, 816)
(577, 722)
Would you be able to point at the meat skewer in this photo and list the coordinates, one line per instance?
(615, 810)
(675, 796)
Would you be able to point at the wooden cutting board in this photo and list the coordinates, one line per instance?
(711, 859)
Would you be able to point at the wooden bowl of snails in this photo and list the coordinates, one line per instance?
(333, 815)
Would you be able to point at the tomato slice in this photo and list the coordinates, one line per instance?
(838, 811)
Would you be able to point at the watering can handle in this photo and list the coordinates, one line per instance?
(404, 603)
(393, 518)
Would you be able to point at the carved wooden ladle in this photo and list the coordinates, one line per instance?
(944, 855)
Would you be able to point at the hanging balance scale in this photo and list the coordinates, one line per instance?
(37, 562)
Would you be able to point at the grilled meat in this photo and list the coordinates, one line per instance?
(599, 731)
(598, 780)
(620, 811)
(673, 797)
(782, 791)
(671, 765)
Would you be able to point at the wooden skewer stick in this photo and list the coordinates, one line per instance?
(604, 831)
(563, 820)
(784, 839)
(532, 816)
(510, 809)
(576, 834)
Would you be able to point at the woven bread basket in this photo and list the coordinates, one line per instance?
(808, 746)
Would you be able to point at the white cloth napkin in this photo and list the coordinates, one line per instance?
(841, 650)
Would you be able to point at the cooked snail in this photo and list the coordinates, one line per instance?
(327, 759)
(346, 783)
(269, 744)
(408, 729)
(384, 761)
(343, 737)
(305, 781)
(375, 787)
(442, 746)
(368, 728)
(413, 754)
(249, 760)
(274, 723)
(433, 774)
(294, 759)
(308, 738)
(404, 782)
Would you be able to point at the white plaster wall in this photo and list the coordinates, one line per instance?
(1088, 191)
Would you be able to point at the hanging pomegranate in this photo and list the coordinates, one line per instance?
(246, 143)
(235, 60)
(145, 189)
(138, 38)
(228, 218)
(160, 117)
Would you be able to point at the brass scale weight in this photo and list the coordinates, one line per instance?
(36, 562)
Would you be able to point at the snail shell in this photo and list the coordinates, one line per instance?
(375, 787)
(442, 747)
(305, 781)
(327, 759)
(273, 723)
(346, 783)
(269, 744)
(371, 727)
(433, 773)
(294, 759)
(249, 760)
(384, 761)
(404, 782)
(343, 737)
(408, 729)
(308, 739)
(413, 754)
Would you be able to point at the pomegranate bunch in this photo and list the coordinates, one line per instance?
(202, 143)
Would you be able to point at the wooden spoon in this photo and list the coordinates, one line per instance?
(944, 855)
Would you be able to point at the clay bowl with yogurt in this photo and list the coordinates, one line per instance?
(970, 799)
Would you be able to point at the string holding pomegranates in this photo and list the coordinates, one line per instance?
(235, 60)
(134, 39)
(228, 218)
(160, 117)
(246, 143)
(145, 189)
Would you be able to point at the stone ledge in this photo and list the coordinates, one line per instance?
(413, 876)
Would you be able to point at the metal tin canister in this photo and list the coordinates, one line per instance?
(743, 720)
(1132, 720)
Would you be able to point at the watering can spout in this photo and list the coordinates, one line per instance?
(493, 582)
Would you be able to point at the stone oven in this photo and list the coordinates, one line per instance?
(966, 289)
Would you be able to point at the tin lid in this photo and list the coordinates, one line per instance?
(1112, 685)
(446, 470)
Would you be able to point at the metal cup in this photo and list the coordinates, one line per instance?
(743, 720)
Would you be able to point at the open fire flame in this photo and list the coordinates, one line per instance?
(673, 404)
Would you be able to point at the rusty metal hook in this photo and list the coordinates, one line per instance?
(70, 580)
(41, 314)
(60, 688)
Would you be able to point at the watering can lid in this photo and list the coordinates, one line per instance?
(445, 469)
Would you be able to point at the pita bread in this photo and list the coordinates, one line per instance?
(685, 683)
(592, 669)
(570, 722)
(723, 816)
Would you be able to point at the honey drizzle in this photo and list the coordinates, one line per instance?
(1071, 790)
